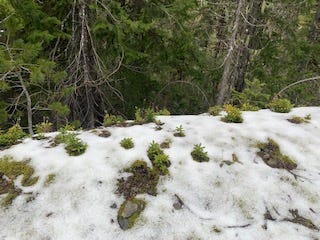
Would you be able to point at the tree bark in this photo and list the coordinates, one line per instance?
(225, 86)
(29, 103)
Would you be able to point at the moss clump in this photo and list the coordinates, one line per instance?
(129, 211)
(297, 120)
(281, 105)
(9, 171)
(271, 155)
(198, 154)
(12, 136)
(127, 143)
(12, 169)
(50, 178)
(233, 114)
(142, 180)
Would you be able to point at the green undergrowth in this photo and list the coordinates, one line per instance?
(12, 136)
(9, 171)
(272, 156)
(281, 105)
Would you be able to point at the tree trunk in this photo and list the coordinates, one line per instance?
(29, 104)
(225, 86)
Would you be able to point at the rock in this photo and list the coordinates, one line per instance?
(104, 133)
(114, 205)
(129, 211)
(178, 204)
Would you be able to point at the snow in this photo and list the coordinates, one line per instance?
(77, 204)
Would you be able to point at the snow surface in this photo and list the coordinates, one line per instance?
(77, 204)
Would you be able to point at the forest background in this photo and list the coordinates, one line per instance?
(73, 61)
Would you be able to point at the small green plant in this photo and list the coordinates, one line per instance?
(112, 119)
(127, 143)
(281, 105)
(233, 114)
(154, 150)
(214, 110)
(73, 145)
(44, 127)
(179, 132)
(12, 136)
(144, 116)
(163, 112)
(50, 179)
(161, 163)
(308, 117)
(249, 107)
(198, 154)
(298, 120)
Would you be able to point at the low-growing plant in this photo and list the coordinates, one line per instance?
(127, 143)
(144, 115)
(298, 120)
(110, 119)
(44, 127)
(307, 117)
(214, 110)
(12, 136)
(179, 132)
(73, 145)
(198, 154)
(281, 105)
(249, 107)
(163, 112)
(233, 114)
(161, 163)
(154, 150)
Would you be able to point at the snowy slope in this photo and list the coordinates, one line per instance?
(221, 201)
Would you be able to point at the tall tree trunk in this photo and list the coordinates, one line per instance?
(237, 60)
(29, 103)
(248, 33)
(225, 86)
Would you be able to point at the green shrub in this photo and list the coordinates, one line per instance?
(127, 143)
(198, 154)
(281, 105)
(164, 112)
(161, 163)
(12, 136)
(144, 115)
(253, 94)
(179, 132)
(154, 150)
(44, 127)
(233, 114)
(249, 107)
(73, 145)
(112, 119)
(214, 110)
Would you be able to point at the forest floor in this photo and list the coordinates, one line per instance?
(245, 191)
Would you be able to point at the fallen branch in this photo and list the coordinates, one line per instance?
(317, 78)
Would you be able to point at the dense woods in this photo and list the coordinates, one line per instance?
(75, 60)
